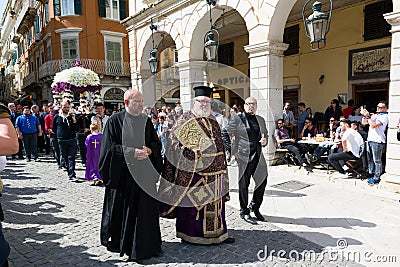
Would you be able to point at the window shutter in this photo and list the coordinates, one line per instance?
(375, 26)
(102, 8)
(226, 54)
(57, 8)
(122, 9)
(46, 12)
(291, 37)
(78, 7)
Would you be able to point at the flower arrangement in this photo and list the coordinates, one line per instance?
(76, 79)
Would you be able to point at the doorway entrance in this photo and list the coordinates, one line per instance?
(370, 94)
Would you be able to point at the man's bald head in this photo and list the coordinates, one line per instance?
(250, 105)
(133, 100)
(132, 93)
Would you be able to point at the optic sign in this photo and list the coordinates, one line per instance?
(376, 60)
(233, 80)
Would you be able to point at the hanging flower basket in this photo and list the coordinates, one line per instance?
(77, 79)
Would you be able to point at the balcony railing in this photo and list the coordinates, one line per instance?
(30, 78)
(26, 17)
(100, 66)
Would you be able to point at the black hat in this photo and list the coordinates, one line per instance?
(202, 91)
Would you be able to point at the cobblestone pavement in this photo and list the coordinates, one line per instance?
(51, 221)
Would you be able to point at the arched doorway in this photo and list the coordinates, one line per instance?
(114, 99)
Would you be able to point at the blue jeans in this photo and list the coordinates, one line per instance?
(375, 158)
(68, 152)
(4, 248)
(322, 150)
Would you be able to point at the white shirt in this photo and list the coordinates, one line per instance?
(377, 134)
(353, 141)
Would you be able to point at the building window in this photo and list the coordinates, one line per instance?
(46, 12)
(69, 48)
(375, 25)
(112, 9)
(42, 57)
(291, 37)
(114, 57)
(49, 51)
(67, 7)
(226, 53)
(19, 49)
(69, 44)
(113, 52)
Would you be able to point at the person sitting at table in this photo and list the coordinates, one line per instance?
(309, 130)
(284, 141)
(352, 144)
(329, 132)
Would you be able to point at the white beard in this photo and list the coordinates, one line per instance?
(201, 112)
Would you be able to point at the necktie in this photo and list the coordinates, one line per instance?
(101, 122)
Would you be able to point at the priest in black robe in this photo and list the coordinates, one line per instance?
(130, 164)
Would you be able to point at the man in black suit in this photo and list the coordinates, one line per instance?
(251, 135)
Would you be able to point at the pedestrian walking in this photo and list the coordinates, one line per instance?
(28, 129)
(202, 220)
(251, 135)
(65, 128)
(100, 118)
(130, 163)
(48, 125)
(93, 144)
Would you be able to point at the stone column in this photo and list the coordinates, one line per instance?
(393, 146)
(266, 84)
(148, 88)
(191, 74)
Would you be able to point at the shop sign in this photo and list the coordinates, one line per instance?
(369, 61)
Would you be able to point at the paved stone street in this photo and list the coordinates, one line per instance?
(51, 221)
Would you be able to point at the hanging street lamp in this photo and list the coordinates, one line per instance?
(211, 45)
(153, 61)
(317, 25)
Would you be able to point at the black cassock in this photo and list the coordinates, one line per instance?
(130, 220)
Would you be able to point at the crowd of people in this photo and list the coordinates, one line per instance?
(129, 151)
(61, 132)
(354, 132)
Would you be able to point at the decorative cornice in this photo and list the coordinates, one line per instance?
(68, 30)
(266, 48)
(392, 18)
(154, 11)
(114, 34)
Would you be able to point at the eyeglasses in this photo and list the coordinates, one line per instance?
(381, 106)
(203, 102)
(251, 104)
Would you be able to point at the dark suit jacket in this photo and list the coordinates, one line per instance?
(243, 145)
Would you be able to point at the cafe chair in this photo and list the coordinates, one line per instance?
(357, 166)
(283, 155)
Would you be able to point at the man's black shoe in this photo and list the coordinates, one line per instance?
(229, 240)
(248, 218)
(259, 216)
